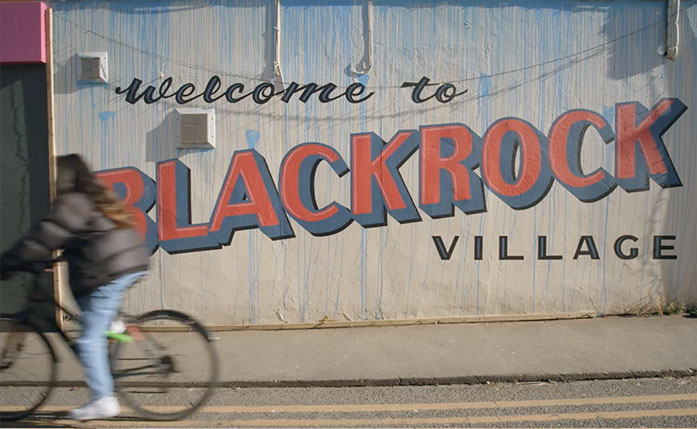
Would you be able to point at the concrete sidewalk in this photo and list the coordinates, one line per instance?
(607, 347)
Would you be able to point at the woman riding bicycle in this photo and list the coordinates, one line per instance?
(105, 256)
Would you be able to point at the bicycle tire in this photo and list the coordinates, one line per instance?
(165, 337)
(21, 363)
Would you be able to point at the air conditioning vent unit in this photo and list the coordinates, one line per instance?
(94, 67)
(195, 128)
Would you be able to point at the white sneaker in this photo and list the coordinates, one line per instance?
(102, 408)
(117, 326)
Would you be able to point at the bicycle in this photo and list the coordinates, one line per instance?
(147, 360)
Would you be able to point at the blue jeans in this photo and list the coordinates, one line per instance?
(98, 311)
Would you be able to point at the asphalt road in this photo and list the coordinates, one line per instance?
(655, 402)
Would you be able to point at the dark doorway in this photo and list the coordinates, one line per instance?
(24, 170)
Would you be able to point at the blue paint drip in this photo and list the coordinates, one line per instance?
(252, 138)
(105, 116)
(484, 86)
(484, 89)
(481, 233)
(607, 217)
(363, 79)
(252, 281)
(563, 273)
(363, 275)
(549, 266)
(534, 265)
(252, 142)
(609, 114)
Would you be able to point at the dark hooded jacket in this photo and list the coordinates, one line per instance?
(97, 251)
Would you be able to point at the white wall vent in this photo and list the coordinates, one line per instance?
(195, 128)
(94, 67)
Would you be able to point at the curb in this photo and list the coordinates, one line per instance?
(435, 381)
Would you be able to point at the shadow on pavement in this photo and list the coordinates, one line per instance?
(58, 420)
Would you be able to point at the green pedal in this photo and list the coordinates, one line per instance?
(122, 338)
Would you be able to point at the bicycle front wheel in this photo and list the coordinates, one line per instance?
(27, 368)
(167, 368)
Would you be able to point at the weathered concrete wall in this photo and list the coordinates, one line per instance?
(532, 60)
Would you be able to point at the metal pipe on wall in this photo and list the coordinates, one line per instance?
(277, 72)
(672, 29)
(366, 63)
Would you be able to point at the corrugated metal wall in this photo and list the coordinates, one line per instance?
(533, 60)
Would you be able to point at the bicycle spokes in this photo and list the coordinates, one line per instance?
(27, 368)
(170, 371)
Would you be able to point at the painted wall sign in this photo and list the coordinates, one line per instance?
(662, 248)
(448, 157)
(265, 92)
(477, 167)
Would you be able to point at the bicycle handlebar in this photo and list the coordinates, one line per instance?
(33, 267)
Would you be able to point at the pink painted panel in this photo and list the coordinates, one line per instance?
(22, 32)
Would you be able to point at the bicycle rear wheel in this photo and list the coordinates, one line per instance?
(169, 368)
(27, 368)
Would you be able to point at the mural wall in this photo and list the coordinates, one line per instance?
(393, 159)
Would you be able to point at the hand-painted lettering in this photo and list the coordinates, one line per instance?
(175, 230)
(501, 142)
(297, 185)
(516, 162)
(137, 191)
(376, 183)
(448, 156)
(565, 140)
(248, 199)
(640, 152)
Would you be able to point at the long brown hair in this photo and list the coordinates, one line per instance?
(74, 175)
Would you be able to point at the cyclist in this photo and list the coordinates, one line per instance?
(105, 256)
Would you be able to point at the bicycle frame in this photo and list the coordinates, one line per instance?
(147, 363)
(28, 313)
